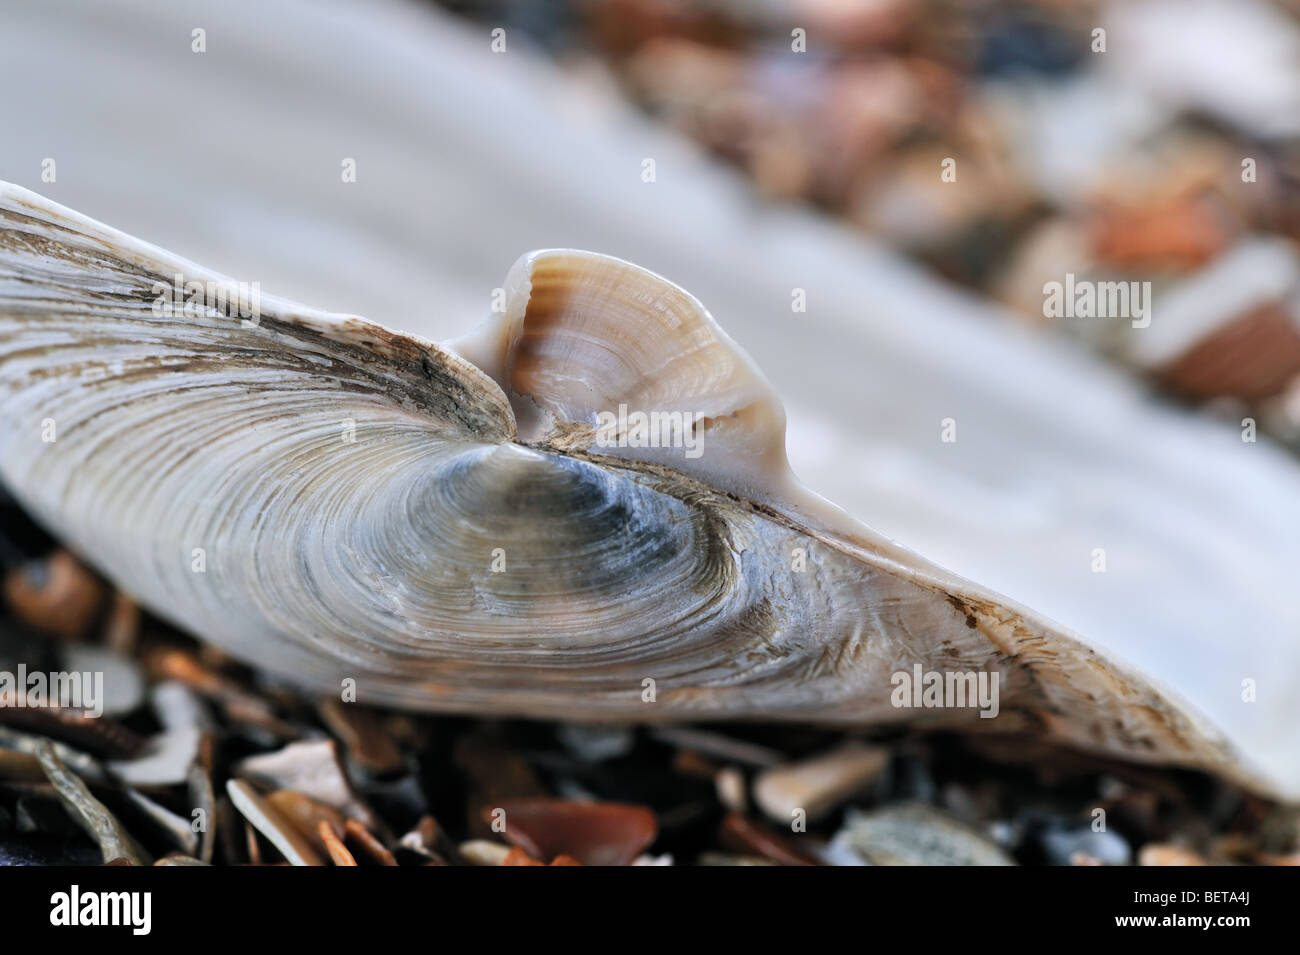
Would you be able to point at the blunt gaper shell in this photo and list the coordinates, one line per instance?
(331, 500)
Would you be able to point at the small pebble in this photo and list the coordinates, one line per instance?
(518, 856)
(1062, 845)
(594, 833)
(916, 834)
(1159, 854)
(483, 852)
(820, 784)
(56, 595)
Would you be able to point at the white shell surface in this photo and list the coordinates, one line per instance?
(356, 509)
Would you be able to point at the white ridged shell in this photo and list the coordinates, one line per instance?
(371, 559)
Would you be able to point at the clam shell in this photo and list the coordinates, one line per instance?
(442, 527)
